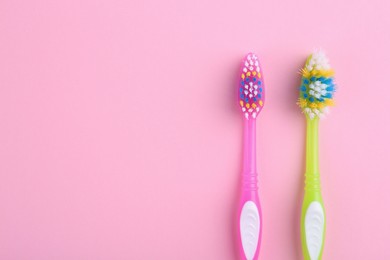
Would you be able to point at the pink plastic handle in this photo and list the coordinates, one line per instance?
(250, 224)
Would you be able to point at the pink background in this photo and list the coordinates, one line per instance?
(120, 137)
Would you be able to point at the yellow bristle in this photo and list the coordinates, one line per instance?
(261, 103)
(322, 73)
(248, 73)
(241, 103)
(243, 76)
(305, 73)
(302, 103)
(259, 75)
(254, 105)
(330, 73)
(313, 105)
(247, 105)
(329, 102)
(254, 73)
(314, 73)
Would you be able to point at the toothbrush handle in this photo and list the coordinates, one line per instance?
(249, 219)
(312, 220)
(313, 211)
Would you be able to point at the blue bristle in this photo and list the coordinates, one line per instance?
(305, 81)
(258, 95)
(259, 82)
(311, 99)
(261, 89)
(242, 83)
(328, 95)
(321, 79)
(305, 95)
(241, 89)
(313, 79)
(254, 99)
(331, 88)
(247, 79)
(242, 96)
(254, 79)
(320, 99)
(328, 81)
(246, 100)
(303, 88)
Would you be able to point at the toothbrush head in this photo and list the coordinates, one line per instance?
(317, 86)
(251, 87)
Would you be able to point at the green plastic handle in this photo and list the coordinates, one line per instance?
(313, 213)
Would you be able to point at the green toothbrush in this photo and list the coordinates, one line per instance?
(316, 93)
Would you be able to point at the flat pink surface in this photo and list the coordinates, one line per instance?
(120, 136)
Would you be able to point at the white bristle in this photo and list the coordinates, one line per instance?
(250, 95)
(250, 110)
(255, 92)
(246, 64)
(251, 68)
(245, 70)
(246, 92)
(311, 86)
(246, 115)
(254, 114)
(257, 109)
(250, 89)
(258, 69)
(251, 84)
(325, 110)
(318, 61)
(243, 109)
(246, 86)
(251, 62)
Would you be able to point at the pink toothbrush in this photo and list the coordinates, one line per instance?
(251, 100)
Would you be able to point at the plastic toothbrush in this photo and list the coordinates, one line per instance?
(316, 95)
(251, 101)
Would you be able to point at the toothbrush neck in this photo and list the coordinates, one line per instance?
(249, 166)
(312, 167)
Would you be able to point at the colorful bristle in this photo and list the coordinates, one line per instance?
(251, 87)
(317, 86)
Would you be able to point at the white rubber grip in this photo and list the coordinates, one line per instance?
(249, 229)
(314, 229)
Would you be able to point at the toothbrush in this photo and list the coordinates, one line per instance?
(316, 95)
(251, 101)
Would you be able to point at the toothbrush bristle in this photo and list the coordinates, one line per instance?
(317, 86)
(251, 87)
